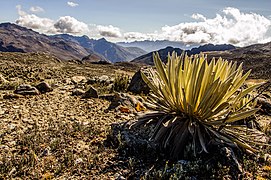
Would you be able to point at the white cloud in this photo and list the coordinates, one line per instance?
(65, 24)
(68, 24)
(72, 4)
(32, 21)
(140, 36)
(36, 9)
(232, 26)
(109, 31)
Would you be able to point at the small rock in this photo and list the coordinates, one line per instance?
(78, 79)
(44, 87)
(26, 89)
(78, 92)
(12, 143)
(46, 152)
(104, 79)
(2, 112)
(11, 126)
(90, 93)
(4, 147)
(267, 157)
(78, 161)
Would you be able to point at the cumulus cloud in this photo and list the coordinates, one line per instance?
(72, 4)
(32, 21)
(231, 26)
(68, 24)
(36, 9)
(109, 31)
(65, 24)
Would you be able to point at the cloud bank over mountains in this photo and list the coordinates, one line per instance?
(229, 26)
(65, 24)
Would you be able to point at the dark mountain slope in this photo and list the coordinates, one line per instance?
(150, 46)
(14, 38)
(148, 58)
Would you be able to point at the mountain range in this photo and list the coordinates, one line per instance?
(150, 46)
(163, 53)
(14, 38)
(111, 51)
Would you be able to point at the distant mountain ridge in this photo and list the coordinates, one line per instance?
(110, 51)
(14, 38)
(163, 53)
(150, 46)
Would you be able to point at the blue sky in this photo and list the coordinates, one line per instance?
(240, 22)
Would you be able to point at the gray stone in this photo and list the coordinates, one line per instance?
(26, 89)
(90, 93)
(137, 85)
(44, 87)
(103, 79)
(78, 79)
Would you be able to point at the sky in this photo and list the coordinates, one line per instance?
(238, 22)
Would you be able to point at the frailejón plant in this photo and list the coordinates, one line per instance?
(197, 103)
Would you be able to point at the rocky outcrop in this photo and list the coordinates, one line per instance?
(26, 89)
(137, 85)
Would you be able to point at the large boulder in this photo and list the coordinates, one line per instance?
(26, 89)
(137, 85)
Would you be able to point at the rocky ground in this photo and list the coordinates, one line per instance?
(66, 132)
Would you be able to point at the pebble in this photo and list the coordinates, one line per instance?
(78, 161)
(11, 126)
(2, 112)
